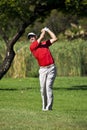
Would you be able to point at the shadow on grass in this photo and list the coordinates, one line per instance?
(80, 87)
(17, 89)
(8, 89)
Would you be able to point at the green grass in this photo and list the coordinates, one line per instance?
(20, 105)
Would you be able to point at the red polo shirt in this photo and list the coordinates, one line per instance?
(42, 53)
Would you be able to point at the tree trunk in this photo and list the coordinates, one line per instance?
(7, 62)
(10, 54)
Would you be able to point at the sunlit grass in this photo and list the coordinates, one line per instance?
(20, 105)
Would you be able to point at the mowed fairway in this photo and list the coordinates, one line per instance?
(20, 105)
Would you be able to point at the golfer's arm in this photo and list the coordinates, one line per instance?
(52, 35)
(41, 36)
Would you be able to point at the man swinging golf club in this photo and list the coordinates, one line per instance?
(47, 71)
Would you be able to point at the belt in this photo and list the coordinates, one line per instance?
(47, 66)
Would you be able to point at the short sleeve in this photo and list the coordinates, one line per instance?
(48, 43)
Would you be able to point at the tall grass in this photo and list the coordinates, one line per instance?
(2, 51)
(70, 58)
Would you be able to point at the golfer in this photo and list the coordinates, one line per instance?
(47, 71)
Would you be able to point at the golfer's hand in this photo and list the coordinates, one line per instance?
(42, 30)
(42, 33)
(46, 29)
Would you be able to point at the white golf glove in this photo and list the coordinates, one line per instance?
(46, 29)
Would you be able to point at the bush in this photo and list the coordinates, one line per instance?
(57, 21)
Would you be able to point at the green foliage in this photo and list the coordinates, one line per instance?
(57, 21)
(20, 105)
(14, 13)
(78, 7)
(69, 25)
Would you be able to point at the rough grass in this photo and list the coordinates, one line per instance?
(20, 105)
(70, 59)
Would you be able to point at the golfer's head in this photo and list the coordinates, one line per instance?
(32, 36)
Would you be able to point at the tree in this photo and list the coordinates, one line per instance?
(15, 17)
